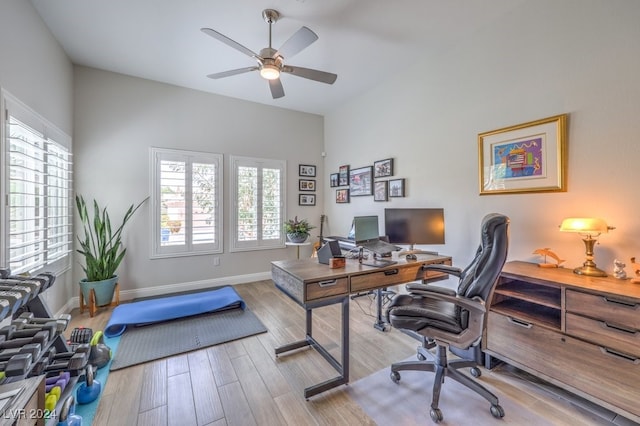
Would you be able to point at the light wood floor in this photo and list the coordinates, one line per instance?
(243, 383)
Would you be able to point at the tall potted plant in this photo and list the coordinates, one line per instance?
(102, 248)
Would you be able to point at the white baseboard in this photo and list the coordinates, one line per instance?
(125, 295)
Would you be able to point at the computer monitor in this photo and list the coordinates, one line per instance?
(414, 226)
(365, 228)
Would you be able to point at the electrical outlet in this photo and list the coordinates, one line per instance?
(216, 261)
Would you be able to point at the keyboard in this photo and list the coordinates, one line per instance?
(379, 263)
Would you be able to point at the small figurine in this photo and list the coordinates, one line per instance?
(547, 252)
(618, 270)
(636, 270)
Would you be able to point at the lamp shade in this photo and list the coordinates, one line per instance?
(584, 225)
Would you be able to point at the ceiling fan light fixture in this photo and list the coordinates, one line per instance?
(269, 72)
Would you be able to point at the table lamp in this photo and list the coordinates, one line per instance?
(590, 228)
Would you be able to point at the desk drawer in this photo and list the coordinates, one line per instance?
(593, 369)
(601, 332)
(383, 278)
(326, 288)
(613, 309)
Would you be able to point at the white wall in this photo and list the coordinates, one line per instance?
(547, 57)
(119, 117)
(35, 69)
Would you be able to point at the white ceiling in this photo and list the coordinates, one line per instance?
(363, 41)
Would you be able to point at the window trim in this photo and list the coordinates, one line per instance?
(235, 162)
(158, 252)
(11, 106)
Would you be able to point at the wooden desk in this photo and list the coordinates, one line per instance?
(313, 285)
(580, 333)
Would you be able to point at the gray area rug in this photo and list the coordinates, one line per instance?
(151, 342)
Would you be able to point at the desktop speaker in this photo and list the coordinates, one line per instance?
(329, 250)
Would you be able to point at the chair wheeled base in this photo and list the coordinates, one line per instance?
(441, 367)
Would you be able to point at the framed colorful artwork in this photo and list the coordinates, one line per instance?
(528, 157)
(343, 175)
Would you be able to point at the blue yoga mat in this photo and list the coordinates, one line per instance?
(172, 307)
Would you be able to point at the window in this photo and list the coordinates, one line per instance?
(257, 190)
(187, 203)
(36, 192)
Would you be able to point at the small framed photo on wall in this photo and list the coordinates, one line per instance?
(306, 170)
(342, 195)
(396, 188)
(343, 176)
(383, 168)
(380, 190)
(307, 199)
(334, 179)
(307, 184)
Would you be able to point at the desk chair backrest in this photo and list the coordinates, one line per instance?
(478, 277)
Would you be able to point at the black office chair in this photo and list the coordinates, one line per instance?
(446, 317)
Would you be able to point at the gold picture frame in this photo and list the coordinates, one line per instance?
(525, 158)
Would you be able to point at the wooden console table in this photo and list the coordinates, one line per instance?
(312, 285)
(580, 333)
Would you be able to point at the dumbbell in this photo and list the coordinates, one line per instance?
(47, 279)
(63, 362)
(15, 299)
(5, 308)
(23, 329)
(41, 337)
(17, 365)
(42, 362)
(14, 285)
(5, 273)
(29, 286)
(61, 320)
(30, 348)
(61, 380)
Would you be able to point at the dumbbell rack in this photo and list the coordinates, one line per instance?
(18, 295)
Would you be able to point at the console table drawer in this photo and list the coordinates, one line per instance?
(601, 332)
(383, 278)
(615, 310)
(603, 373)
(321, 289)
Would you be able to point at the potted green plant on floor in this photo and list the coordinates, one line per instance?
(103, 251)
(297, 230)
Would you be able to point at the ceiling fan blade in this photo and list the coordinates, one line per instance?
(232, 72)
(226, 40)
(321, 76)
(300, 40)
(277, 91)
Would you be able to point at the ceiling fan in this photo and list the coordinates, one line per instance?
(270, 61)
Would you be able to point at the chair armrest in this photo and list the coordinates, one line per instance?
(474, 306)
(416, 287)
(445, 269)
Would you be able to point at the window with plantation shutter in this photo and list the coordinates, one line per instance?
(187, 202)
(257, 189)
(37, 190)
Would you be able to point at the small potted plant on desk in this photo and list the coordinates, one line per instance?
(297, 230)
(103, 251)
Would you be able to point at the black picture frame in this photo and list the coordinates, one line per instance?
(307, 170)
(307, 184)
(361, 181)
(381, 190)
(306, 199)
(343, 175)
(334, 179)
(342, 196)
(383, 168)
(397, 187)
